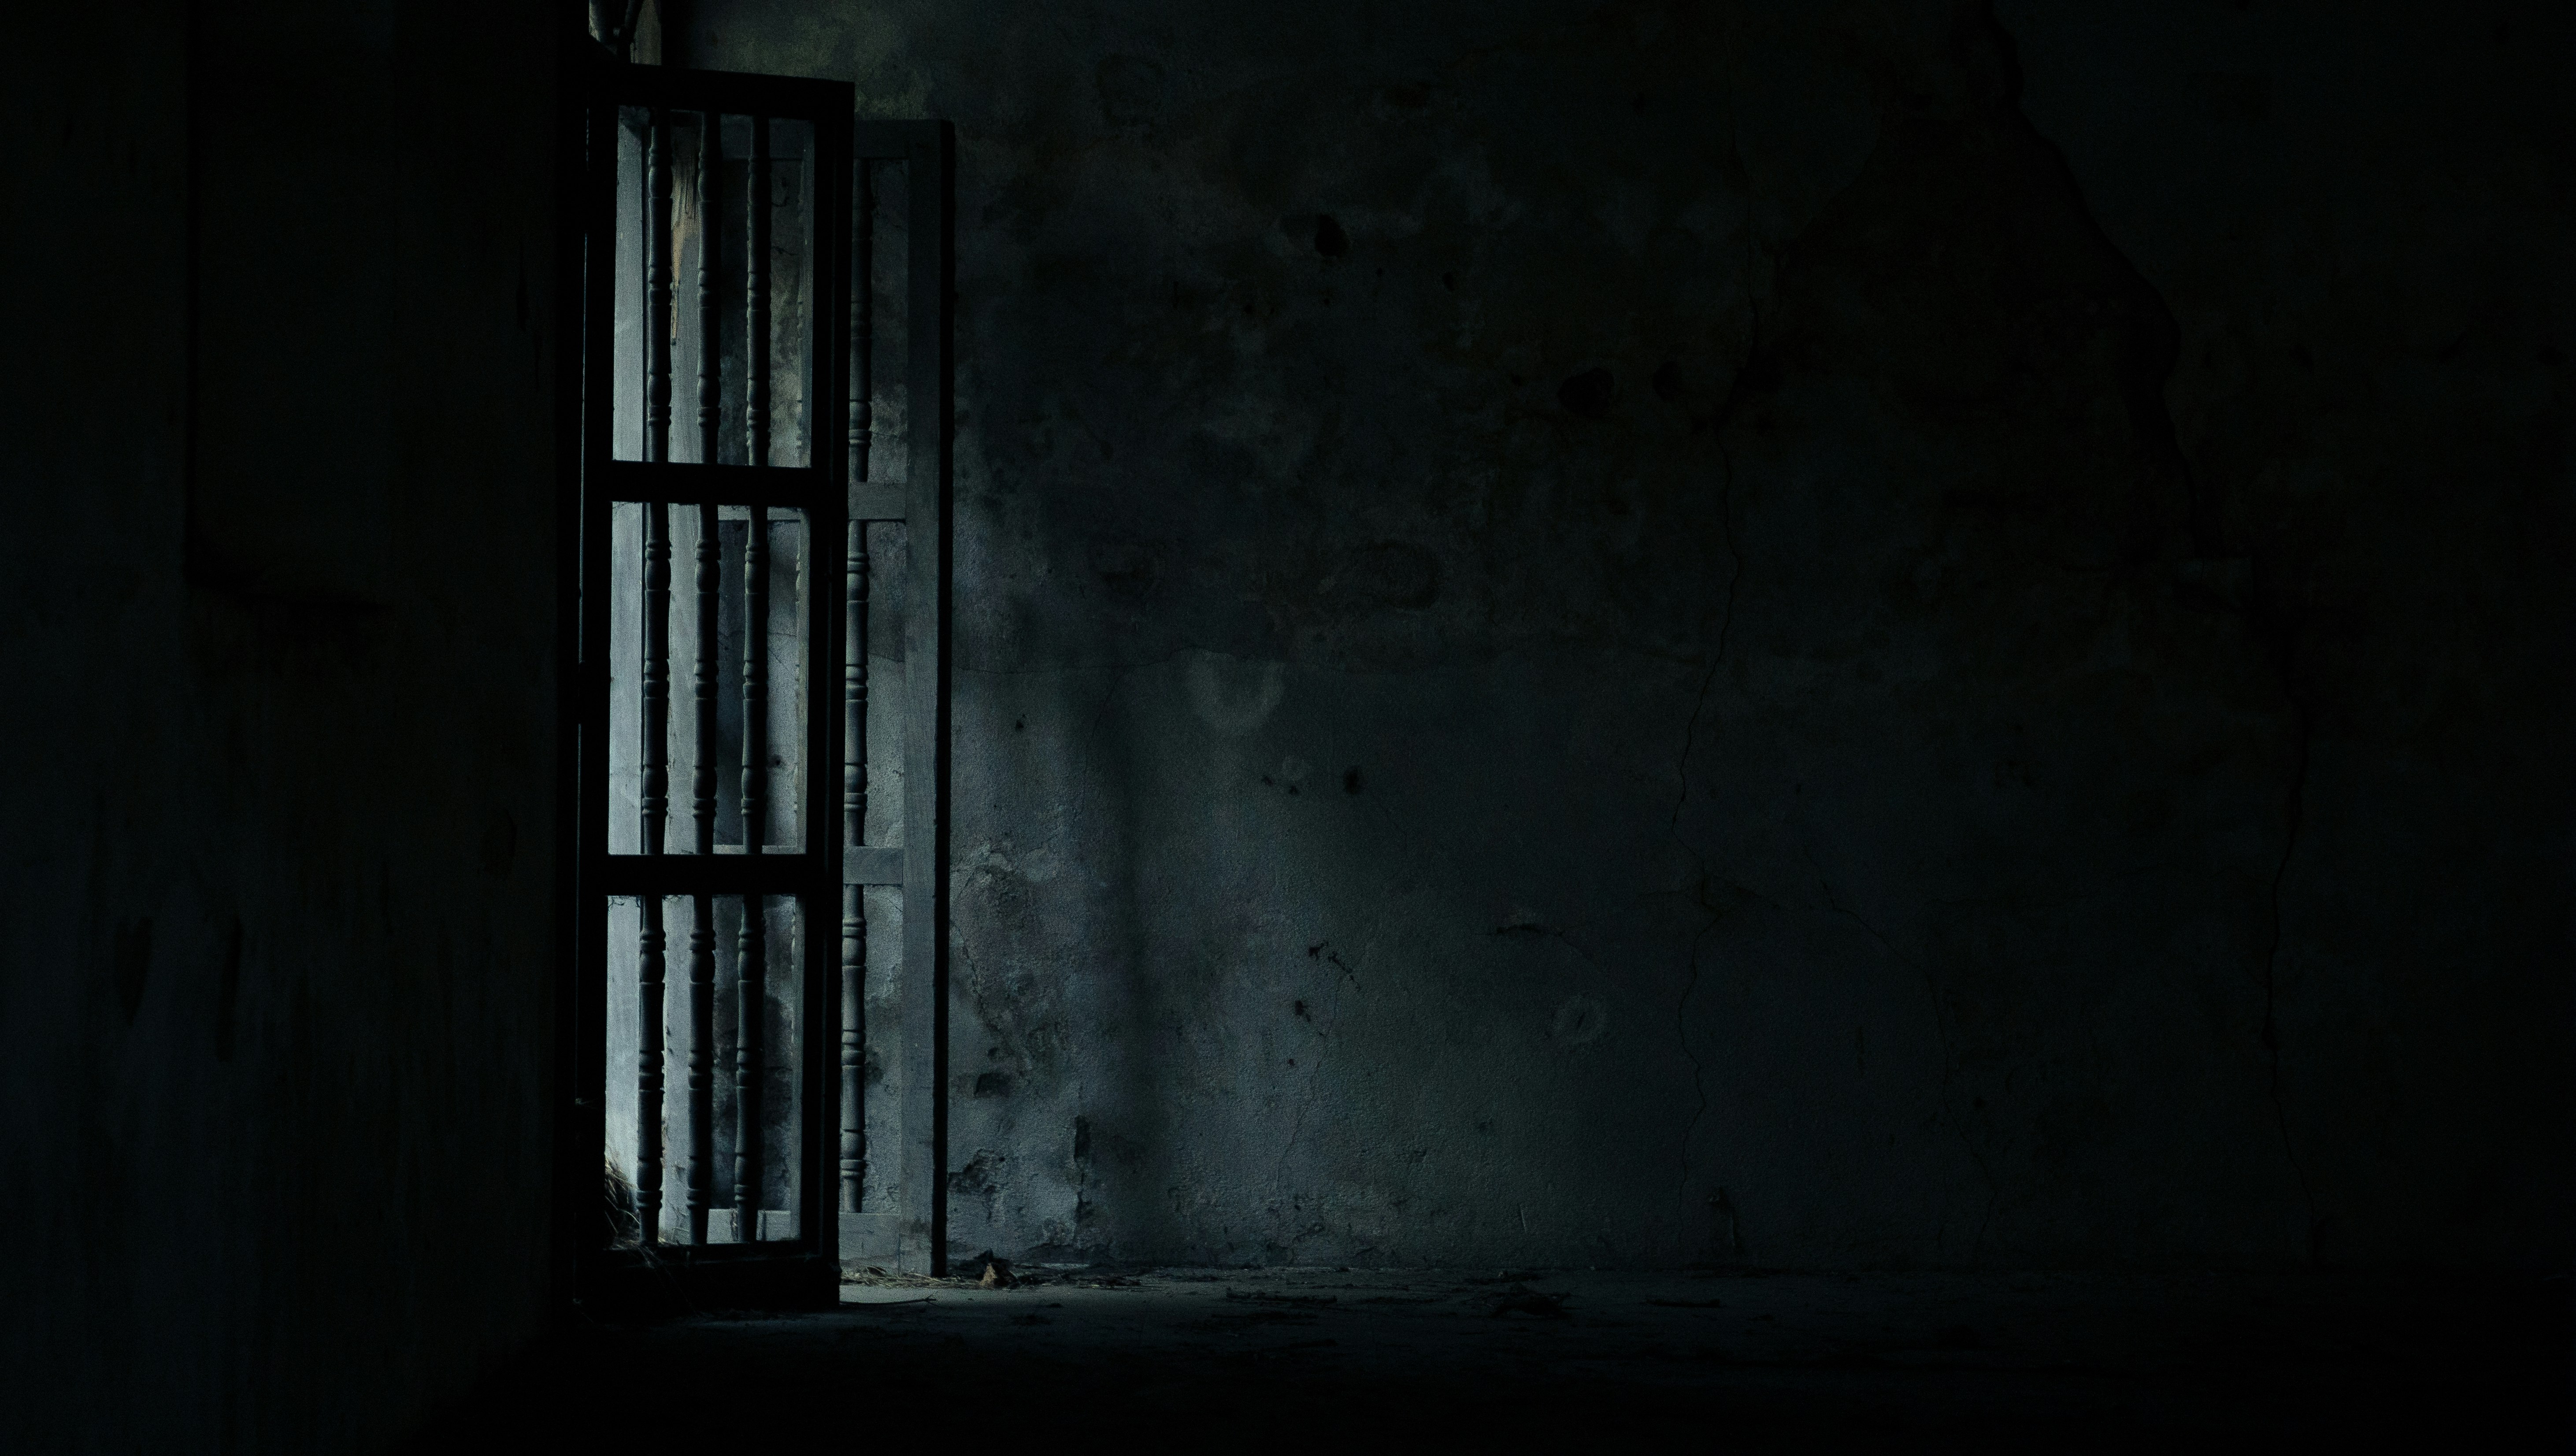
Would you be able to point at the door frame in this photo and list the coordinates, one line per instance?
(911, 1025)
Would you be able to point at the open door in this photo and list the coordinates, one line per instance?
(760, 721)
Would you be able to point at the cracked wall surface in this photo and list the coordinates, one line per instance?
(1861, 635)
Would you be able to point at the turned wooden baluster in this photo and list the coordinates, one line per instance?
(657, 292)
(702, 922)
(752, 975)
(752, 978)
(653, 803)
(854, 708)
(710, 336)
(702, 775)
(654, 799)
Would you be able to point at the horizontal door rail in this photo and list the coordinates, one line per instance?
(742, 874)
(710, 874)
(790, 486)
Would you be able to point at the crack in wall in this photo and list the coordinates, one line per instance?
(1324, 951)
(2145, 378)
(1562, 935)
(1699, 890)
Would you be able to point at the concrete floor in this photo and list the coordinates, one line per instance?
(1234, 1359)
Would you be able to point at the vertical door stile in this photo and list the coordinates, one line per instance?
(752, 976)
(854, 699)
(588, 968)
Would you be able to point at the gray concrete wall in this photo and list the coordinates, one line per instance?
(276, 928)
(1648, 633)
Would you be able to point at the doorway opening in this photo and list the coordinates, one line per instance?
(761, 706)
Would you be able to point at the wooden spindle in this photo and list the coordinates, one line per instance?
(702, 925)
(752, 973)
(652, 804)
(754, 982)
(703, 1065)
(648, 1073)
(854, 920)
(702, 776)
(710, 359)
(854, 709)
(755, 682)
(755, 336)
(657, 290)
(702, 1005)
(655, 799)
(752, 976)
